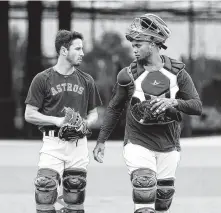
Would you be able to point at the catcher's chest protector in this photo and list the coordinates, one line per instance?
(160, 83)
(149, 85)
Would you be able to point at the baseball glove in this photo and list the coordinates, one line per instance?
(142, 113)
(74, 126)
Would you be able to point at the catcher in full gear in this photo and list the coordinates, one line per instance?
(62, 101)
(154, 89)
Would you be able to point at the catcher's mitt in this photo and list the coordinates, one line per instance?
(74, 126)
(141, 112)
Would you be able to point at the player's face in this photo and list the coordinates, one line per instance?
(75, 52)
(142, 51)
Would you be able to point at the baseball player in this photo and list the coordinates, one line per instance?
(153, 90)
(59, 98)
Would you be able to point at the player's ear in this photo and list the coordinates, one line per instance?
(63, 51)
(152, 45)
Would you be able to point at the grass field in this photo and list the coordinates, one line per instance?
(198, 187)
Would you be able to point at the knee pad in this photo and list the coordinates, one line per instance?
(165, 192)
(64, 210)
(74, 183)
(144, 186)
(48, 211)
(46, 184)
(145, 210)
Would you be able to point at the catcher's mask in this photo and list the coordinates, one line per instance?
(149, 27)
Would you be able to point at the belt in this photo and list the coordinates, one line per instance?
(51, 133)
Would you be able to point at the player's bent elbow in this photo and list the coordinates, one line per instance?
(123, 79)
(92, 120)
(30, 112)
(95, 118)
(27, 117)
(199, 108)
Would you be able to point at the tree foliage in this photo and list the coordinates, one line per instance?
(105, 60)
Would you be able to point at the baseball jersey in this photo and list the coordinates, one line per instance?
(169, 83)
(51, 92)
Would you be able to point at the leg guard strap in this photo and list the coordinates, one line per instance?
(48, 211)
(145, 210)
(165, 192)
(64, 210)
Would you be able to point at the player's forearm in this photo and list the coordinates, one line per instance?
(188, 99)
(113, 113)
(91, 119)
(190, 107)
(111, 119)
(37, 118)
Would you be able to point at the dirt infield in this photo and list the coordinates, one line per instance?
(109, 189)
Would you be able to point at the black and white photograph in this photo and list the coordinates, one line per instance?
(110, 106)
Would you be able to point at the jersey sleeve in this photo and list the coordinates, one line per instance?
(123, 78)
(113, 112)
(94, 96)
(36, 92)
(188, 98)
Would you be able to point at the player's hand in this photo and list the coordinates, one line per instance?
(99, 152)
(59, 121)
(159, 105)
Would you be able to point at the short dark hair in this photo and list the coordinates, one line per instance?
(64, 38)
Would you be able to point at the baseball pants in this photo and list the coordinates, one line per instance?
(163, 163)
(60, 155)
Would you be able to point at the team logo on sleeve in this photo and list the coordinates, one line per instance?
(67, 87)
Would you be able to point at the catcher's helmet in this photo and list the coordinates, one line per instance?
(149, 27)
